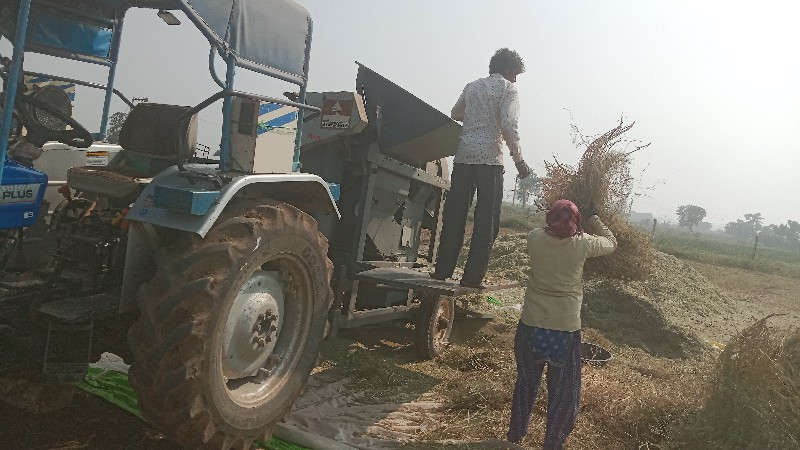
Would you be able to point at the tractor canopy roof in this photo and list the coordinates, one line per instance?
(269, 36)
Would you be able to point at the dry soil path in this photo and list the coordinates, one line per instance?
(755, 295)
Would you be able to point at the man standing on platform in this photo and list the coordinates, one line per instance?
(489, 110)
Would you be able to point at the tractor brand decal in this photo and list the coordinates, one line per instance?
(336, 113)
(97, 158)
(18, 193)
(273, 115)
(148, 201)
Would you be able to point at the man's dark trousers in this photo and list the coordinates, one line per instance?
(466, 179)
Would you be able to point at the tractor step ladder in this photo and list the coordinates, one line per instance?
(62, 369)
(70, 334)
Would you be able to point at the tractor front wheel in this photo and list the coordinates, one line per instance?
(230, 327)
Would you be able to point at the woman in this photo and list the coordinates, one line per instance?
(548, 332)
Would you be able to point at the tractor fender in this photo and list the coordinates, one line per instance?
(307, 192)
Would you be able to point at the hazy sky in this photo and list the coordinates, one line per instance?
(713, 85)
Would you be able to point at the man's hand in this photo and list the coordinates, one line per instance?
(522, 169)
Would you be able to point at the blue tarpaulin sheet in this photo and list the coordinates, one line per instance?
(58, 32)
(49, 30)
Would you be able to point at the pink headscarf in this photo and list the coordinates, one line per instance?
(563, 219)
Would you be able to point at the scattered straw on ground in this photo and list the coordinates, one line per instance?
(648, 325)
(654, 386)
(660, 328)
(627, 402)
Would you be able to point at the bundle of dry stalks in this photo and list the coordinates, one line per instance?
(754, 400)
(603, 177)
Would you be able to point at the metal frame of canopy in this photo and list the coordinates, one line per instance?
(232, 47)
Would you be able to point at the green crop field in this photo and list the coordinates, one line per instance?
(718, 250)
(515, 219)
(706, 248)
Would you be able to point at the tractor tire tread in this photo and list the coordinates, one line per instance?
(176, 306)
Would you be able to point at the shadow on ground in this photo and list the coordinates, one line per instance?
(376, 355)
(627, 320)
(88, 422)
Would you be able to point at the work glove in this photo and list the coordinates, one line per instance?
(522, 169)
(589, 211)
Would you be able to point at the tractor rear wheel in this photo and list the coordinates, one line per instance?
(230, 327)
(434, 324)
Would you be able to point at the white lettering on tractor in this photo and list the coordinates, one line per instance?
(19, 193)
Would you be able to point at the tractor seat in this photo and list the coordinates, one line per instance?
(148, 141)
(107, 181)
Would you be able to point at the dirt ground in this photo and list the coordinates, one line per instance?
(756, 295)
(89, 422)
(663, 333)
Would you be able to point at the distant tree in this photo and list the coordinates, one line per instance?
(528, 187)
(752, 225)
(785, 235)
(755, 219)
(793, 233)
(773, 235)
(690, 215)
(739, 229)
(115, 122)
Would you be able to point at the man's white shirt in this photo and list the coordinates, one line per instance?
(489, 110)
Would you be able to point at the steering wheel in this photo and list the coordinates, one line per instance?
(39, 132)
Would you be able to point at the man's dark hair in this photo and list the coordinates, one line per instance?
(506, 59)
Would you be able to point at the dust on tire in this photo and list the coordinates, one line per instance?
(177, 367)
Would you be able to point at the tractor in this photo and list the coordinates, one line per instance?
(213, 275)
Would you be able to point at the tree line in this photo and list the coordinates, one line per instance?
(782, 235)
(748, 228)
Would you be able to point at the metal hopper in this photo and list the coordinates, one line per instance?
(409, 129)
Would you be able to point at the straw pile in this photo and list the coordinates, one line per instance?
(603, 177)
(627, 402)
(754, 401)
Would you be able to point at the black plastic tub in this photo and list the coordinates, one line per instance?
(595, 355)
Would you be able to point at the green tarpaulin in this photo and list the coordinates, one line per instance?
(113, 386)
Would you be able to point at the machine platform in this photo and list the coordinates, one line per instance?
(80, 309)
(422, 282)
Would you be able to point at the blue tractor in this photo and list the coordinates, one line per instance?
(214, 277)
(216, 269)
